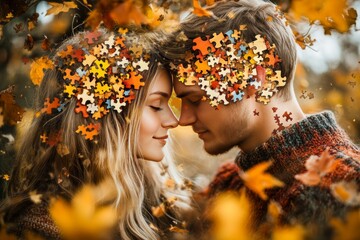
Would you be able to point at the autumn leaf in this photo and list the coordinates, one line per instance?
(117, 13)
(38, 67)
(177, 229)
(11, 112)
(57, 8)
(296, 232)
(348, 228)
(329, 13)
(258, 181)
(303, 40)
(158, 211)
(346, 192)
(29, 42)
(230, 214)
(82, 218)
(199, 11)
(35, 197)
(5, 236)
(317, 167)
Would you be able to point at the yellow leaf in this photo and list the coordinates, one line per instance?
(347, 229)
(35, 198)
(82, 218)
(329, 13)
(230, 214)
(38, 67)
(57, 8)
(296, 232)
(257, 180)
(158, 211)
(198, 10)
(346, 192)
(177, 229)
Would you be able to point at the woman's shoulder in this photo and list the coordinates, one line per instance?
(35, 219)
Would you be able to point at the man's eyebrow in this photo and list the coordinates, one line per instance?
(164, 94)
(184, 94)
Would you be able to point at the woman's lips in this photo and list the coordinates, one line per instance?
(162, 139)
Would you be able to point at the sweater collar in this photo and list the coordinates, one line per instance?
(307, 137)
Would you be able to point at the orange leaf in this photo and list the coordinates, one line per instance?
(317, 167)
(57, 8)
(38, 67)
(11, 112)
(201, 12)
(257, 180)
(329, 13)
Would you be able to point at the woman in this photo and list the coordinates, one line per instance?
(103, 115)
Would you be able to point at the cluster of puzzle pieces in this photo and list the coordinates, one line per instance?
(224, 65)
(101, 76)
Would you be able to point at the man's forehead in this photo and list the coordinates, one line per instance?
(183, 90)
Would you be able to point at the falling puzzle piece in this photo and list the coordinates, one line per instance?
(81, 109)
(287, 116)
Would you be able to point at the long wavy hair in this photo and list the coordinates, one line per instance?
(136, 184)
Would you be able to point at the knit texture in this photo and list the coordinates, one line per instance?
(36, 218)
(289, 150)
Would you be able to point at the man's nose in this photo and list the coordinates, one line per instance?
(187, 116)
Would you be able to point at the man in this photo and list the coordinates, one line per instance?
(234, 73)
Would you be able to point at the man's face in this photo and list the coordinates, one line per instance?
(219, 129)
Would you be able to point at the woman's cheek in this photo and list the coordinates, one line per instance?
(149, 124)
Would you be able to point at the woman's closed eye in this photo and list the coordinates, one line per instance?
(155, 108)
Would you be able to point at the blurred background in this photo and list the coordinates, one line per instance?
(327, 76)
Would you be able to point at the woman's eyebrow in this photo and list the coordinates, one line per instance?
(164, 94)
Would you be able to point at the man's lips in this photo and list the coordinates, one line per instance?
(201, 132)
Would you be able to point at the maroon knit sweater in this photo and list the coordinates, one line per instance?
(289, 151)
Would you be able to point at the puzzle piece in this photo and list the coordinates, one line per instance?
(281, 81)
(81, 72)
(89, 131)
(229, 35)
(272, 60)
(78, 54)
(102, 88)
(100, 68)
(50, 105)
(92, 108)
(217, 39)
(89, 59)
(141, 65)
(237, 96)
(202, 67)
(72, 77)
(43, 138)
(258, 46)
(204, 46)
(287, 116)
(70, 90)
(117, 105)
(86, 96)
(91, 37)
(134, 80)
(81, 109)
(212, 60)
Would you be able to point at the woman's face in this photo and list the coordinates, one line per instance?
(157, 117)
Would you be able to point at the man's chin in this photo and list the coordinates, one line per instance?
(213, 149)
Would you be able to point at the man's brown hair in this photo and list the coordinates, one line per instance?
(259, 17)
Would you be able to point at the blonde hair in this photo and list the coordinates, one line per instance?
(136, 183)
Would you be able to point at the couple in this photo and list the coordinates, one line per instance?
(104, 116)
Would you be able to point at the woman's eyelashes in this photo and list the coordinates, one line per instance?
(155, 108)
